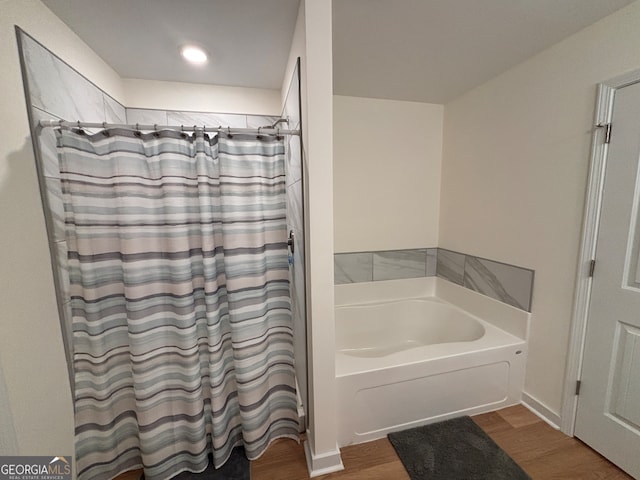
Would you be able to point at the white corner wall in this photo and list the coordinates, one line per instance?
(515, 163)
(312, 42)
(387, 162)
(37, 409)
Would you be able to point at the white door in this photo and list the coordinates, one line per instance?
(608, 416)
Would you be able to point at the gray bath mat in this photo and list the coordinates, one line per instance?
(237, 467)
(456, 449)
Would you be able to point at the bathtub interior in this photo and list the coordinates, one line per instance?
(403, 388)
(363, 330)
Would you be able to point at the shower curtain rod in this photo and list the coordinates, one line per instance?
(269, 130)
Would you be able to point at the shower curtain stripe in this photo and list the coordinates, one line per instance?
(181, 311)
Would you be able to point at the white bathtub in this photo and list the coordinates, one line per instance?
(408, 354)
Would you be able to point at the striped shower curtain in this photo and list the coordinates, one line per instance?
(182, 331)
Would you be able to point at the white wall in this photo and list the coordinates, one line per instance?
(312, 42)
(37, 393)
(297, 49)
(515, 162)
(387, 160)
(200, 98)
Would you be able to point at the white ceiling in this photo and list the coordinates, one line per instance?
(247, 41)
(435, 50)
(419, 50)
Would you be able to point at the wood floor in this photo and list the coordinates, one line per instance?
(544, 453)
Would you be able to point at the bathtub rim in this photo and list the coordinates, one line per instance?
(506, 317)
(500, 315)
(493, 339)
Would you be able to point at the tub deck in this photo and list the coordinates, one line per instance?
(349, 362)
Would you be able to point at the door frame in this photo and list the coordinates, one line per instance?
(591, 221)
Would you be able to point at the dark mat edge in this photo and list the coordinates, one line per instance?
(394, 439)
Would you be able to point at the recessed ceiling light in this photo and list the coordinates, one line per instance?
(194, 54)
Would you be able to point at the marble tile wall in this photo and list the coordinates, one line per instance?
(56, 91)
(507, 283)
(59, 90)
(145, 116)
(295, 223)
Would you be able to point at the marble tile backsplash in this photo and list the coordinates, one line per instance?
(353, 267)
(507, 283)
(384, 265)
(450, 266)
(398, 264)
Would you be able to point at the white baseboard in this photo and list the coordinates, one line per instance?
(541, 410)
(322, 464)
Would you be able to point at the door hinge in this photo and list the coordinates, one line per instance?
(607, 131)
(578, 385)
(592, 267)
